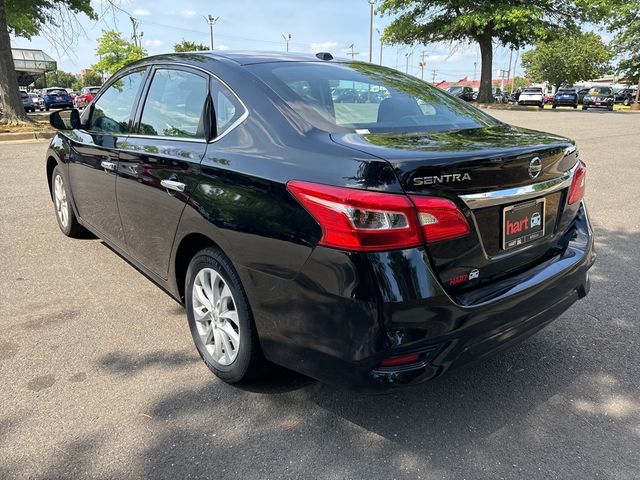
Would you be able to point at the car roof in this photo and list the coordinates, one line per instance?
(238, 57)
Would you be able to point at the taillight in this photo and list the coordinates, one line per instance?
(400, 360)
(576, 192)
(364, 220)
(439, 218)
(360, 220)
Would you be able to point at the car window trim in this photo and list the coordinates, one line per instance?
(134, 107)
(145, 91)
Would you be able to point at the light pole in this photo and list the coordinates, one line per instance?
(211, 20)
(287, 39)
(380, 35)
(371, 4)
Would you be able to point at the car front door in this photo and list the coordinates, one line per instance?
(94, 159)
(159, 163)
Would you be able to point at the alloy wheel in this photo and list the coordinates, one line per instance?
(216, 316)
(60, 198)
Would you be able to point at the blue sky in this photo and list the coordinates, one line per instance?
(320, 25)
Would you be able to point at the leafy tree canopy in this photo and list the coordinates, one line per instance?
(568, 60)
(57, 78)
(509, 22)
(26, 18)
(115, 52)
(189, 46)
(626, 42)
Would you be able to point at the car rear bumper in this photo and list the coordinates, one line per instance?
(344, 313)
(530, 102)
(567, 102)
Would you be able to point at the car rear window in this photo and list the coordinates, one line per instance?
(23, 94)
(57, 92)
(353, 95)
(565, 92)
(600, 91)
(532, 90)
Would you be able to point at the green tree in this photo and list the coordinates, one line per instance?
(189, 46)
(568, 60)
(92, 79)
(57, 78)
(115, 52)
(512, 23)
(26, 18)
(626, 42)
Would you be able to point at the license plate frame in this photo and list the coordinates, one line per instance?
(516, 239)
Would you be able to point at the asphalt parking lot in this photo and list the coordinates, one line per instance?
(99, 377)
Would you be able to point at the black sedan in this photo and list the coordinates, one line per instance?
(363, 244)
(598, 97)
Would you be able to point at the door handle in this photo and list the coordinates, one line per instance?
(173, 185)
(107, 165)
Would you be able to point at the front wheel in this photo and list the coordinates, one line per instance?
(220, 318)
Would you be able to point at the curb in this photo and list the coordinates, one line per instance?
(26, 135)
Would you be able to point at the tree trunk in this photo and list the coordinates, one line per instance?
(485, 95)
(13, 111)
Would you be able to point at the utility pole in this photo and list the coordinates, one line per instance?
(509, 71)
(371, 3)
(475, 70)
(287, 39)
(211, 20)
(433, 78)
(515, 64)
(380, 35)
(137, 39)
(406, 56)
(422, 64)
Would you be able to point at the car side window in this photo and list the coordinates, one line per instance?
(111, 112)
(227, 107)
(174, 105)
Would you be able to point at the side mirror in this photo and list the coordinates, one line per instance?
(65, 119)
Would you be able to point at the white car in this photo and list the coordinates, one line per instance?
(532, 96)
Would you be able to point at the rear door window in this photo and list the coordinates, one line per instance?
(175, 105)
(227, 107)
(112, 111)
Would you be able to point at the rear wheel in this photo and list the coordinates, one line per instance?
(65, 215)
(626, 102)
(220, 318)
(584, 107)
(541, 105)
(553, 106)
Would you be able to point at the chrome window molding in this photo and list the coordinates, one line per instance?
(519, 194)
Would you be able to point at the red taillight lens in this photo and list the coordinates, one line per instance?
(439, 218)
(363, 220)
(576, 192)
(400, 360)
(359, 220)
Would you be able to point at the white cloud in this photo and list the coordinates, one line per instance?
(221, 47)
(141, 12)
(324, 47)
(153, 43)
(188, 13)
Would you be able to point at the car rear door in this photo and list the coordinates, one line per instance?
(160, 161)
(93, 160)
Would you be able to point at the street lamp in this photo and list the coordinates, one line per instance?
(371, 4)
(211, 20)
(287, 39)
(380, 35)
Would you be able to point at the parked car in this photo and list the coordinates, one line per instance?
(567, 97)
(56, 97)
(37, 100)
(581, 94)
(598, 97)
(548, 98)
(462, 92)
(531, 96)
(626, 96)
(366, 247)
(85, 96)
(499, 96)
(27, 102)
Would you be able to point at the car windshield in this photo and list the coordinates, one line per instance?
(24, 95)
(94, 90)
(455, 88)
(352, 95)
(532, 90)
(600, 91)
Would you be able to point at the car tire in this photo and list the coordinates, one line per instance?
(220, 318)
(65, 215)
(626, 102)
(553, 106)
(575, 106)
(46, 108)
(541, 105)
(584, 107)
